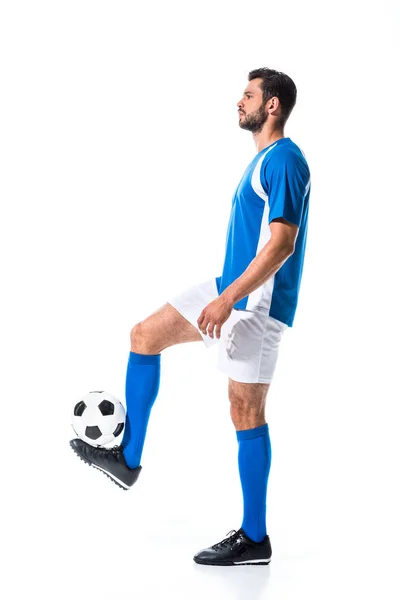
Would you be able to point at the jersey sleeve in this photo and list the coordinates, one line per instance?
(287, 181)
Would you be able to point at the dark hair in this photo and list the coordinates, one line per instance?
(275, 83)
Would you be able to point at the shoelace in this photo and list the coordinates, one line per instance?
(232, 535)
(114, 450)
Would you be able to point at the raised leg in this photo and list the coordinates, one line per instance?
(162, 329)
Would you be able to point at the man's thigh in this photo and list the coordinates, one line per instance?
(190, 302)
(164, 328)
(176, 321)
(248, 350)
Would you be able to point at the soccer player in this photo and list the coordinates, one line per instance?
(245, 311)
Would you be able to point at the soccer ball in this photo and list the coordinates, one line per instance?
(98, 418)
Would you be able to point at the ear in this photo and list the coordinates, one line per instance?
(273, 106)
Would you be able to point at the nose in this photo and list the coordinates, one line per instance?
(240, 104)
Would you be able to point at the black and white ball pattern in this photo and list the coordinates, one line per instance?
(98, 418)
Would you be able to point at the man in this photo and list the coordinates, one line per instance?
(245, 310)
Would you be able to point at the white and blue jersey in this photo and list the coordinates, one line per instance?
(275, 184)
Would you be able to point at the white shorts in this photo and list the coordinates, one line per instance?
(249, 342)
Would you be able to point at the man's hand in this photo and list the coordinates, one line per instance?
(214, 315)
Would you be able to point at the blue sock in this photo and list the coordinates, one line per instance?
(142, 384)
(254, 460)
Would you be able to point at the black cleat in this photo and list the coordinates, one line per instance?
(109, 460)
(236, 549)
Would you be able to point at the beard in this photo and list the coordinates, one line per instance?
(254, 121)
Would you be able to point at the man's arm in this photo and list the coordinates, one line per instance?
(267, 262)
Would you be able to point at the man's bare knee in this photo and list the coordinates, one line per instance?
(247, 404)
(142, 341)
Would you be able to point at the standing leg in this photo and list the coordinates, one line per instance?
(247, 406)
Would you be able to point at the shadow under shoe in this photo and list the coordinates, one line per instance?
(236, 549)
(110, 461)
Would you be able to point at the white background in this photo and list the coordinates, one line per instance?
(120, 151)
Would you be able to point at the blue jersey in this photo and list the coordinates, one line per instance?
(275, 184)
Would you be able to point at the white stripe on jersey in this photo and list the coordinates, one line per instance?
(261, 297)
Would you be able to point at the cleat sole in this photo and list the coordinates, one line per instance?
(232, 564)
(85, 460)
